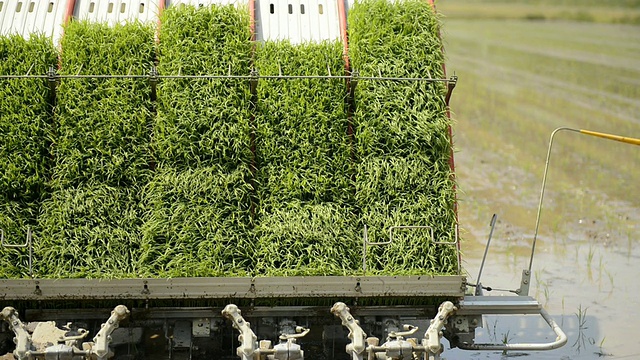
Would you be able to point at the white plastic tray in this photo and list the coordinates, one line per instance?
(117, 11)
(24, 17)
(297, 20)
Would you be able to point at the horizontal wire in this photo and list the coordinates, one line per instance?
(213, 77)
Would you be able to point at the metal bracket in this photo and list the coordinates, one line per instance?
(22, 339)
(300, 332)
(247, 349)
(356, 334)
(153, 81)
(525, 282)
(353, 83)
(101, 341)
(409, 330)
(27, 244)
(433, 335)
(451, 84)
(253, 81)
(52, 80)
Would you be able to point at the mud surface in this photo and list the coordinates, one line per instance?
(520, 80)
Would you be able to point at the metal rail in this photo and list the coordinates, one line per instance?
(236, 288)
(222, 77)
(509, 305)
(393, 229)
(561, 339)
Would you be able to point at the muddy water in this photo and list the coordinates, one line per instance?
(587, 261)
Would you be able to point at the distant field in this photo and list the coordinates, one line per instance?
(518, 81)
(606, 11)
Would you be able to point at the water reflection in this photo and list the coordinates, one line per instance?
(586, 281)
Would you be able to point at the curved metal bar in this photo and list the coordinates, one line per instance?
(544, 182)
(627, 140)
(559, 342)
(28, 244)
(357, 336)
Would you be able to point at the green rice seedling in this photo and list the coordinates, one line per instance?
(198, 218)
(196, 223)
(203, 121)
(91, 231)
(101, 149)
(304, 239)
(402, 136)
(102, 125)
(398, 39)
(303, 151)
(24, 115)
(305, 191)
(25, 118)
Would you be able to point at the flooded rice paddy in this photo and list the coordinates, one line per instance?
(518, 81)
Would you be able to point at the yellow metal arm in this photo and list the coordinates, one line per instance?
(623, 139)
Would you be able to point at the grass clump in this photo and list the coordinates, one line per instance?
(401, 135)
(25, 121)
(197, 207)
(90, 225)
(305, 192)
